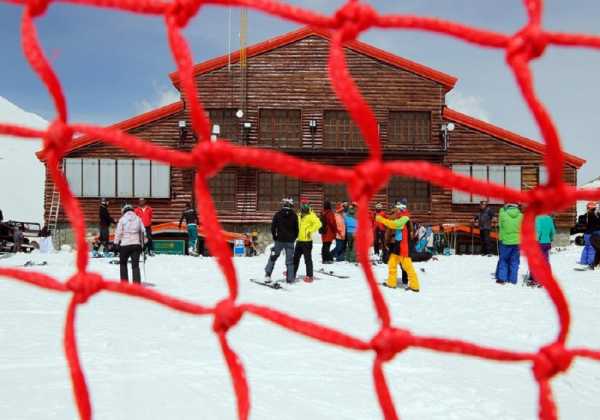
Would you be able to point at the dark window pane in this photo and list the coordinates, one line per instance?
(280, 128)
(228, 123)
(418, 193)
(335, 193)
(409, 127)
(223, 188)
(339, 131)
(273, 187)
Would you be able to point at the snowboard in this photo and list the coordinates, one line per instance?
(276, 285)
(332, 273)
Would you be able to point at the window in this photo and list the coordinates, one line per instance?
(509, 176)
(339, 131)
(273, 187)
(542, 175)
(280, 127)
(223, 188)
(108, 178)
(335, 193)
(229, 124)
(409, 127)
(72, 169)
(118, 178)
(416, 192)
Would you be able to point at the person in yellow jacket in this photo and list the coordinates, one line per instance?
(399, 250)
(309, 223)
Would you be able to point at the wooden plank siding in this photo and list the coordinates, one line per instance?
(295, 77)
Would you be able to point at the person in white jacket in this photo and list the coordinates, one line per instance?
(130, 236)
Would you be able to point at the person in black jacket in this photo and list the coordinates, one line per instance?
(593, 229)
(285, 231)
(484, 221)
(105, 222)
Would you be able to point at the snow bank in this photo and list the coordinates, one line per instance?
(21, 173)
(143, 361)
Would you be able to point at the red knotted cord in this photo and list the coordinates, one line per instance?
(362, 181)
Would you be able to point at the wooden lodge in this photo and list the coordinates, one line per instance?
(288, 105)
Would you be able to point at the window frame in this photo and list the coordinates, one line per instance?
(396, 189)
(354, 139)
(234, 125)
(474, 198)
(213, 185)
(274, 139)
(395, 141)
(275, 201)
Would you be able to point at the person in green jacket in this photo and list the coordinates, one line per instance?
(545, 231)
(509, 224)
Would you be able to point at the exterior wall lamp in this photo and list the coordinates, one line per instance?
(216, 131)
(182, 131)
(446, 129)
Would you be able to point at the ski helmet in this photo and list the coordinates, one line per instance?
(287, 202)
(126, 207)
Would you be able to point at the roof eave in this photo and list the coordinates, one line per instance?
(506, 135)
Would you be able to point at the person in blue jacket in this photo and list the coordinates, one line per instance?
(545, 231)
(351, 225)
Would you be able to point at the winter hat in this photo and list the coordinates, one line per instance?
(509, 205)
(378, 206)
(327, 205)
(339, 208)
(400, 205)
(126, 207)
(304, 205)
(287, 203)
(103, 200)
(591, 205)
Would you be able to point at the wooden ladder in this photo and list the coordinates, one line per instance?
(53, 213)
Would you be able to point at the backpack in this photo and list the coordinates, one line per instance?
(323, 228)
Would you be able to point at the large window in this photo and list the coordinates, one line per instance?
(416, 192)
(409, 127)
(223, 188)
(118, 178)
(339, 131)
(273, 187)
(229, 124)
(280, 128)
(509, 176)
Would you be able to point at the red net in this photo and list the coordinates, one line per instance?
(362, 181)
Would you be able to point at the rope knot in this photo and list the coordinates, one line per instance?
(226, 316)
(84, 285)
(184, 10)
(207, 158)
(57, 138)
(369, 177)
(354, 18)
(551, 360)
(37, 7)
(529, 43)
(391, 341)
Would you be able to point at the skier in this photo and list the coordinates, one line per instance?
(590, 223)
(328, 232)
(130, 235)
(484, 221)
(351, 226)
(105, 221)
(400, 249)
(510, 234)
(545, 231)
(284, 229)
(379, 231)
(191, 220)
(340, 237)
(308, 224)
(145, 212)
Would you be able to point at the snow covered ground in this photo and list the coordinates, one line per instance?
(143, 361)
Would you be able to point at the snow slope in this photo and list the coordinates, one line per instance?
(21, 173)
(143, 361)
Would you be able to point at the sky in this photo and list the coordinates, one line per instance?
(114, 65)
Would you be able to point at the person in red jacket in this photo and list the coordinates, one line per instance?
(328, 232)
(144, 212)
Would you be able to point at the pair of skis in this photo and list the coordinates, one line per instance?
(278, 285)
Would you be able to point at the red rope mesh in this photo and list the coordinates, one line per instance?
(363, 181)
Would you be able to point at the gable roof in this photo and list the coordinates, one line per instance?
(270, 44)
(128, 124)
(505, 135)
